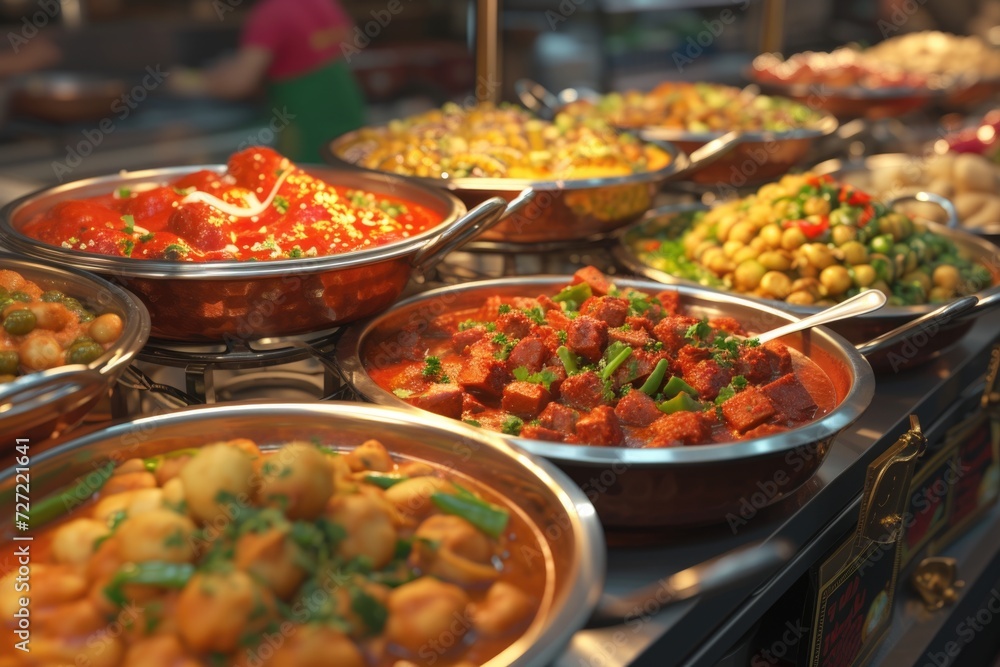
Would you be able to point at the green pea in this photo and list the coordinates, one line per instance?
(882, 244)
(53, 296)
(83, 353)
(842, 216)
(19, 322)
(9, 362)
(71, 303)
(20, 296)
(82, 339)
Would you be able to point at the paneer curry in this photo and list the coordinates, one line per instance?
(595, 364)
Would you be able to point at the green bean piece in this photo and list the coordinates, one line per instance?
(152, 573)
(10, 360)
(615, 363)
(652, 383)
(568, 359)
(19, 322)
(488, 518)
(574, 294)
(60, 503)
(385, 480)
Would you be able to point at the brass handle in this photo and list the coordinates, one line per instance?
(936, 580)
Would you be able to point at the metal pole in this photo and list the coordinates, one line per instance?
(488, 55)
(773, 27)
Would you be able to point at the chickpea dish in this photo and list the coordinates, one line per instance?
(501, 142)
(230, 555)
(808, 239)
(44, 329)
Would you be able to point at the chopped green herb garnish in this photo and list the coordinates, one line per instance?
(123, 193)
(281, 204)
(385, 480)
(433, 372)
(129, 223)
(544, 377)
(512, 425)
(504, 308)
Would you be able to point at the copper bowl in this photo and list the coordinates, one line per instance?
(38, 406)
(649, 488)
(564, 211)
(211, 301)
(904, 354)
(744, 158)
(562, 517)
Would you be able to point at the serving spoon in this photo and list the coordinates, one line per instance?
(860, 304)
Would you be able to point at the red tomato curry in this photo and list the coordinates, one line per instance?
(599, 365)
(262, 208)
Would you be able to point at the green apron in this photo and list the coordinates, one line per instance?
(311, 109)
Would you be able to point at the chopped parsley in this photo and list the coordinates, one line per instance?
(465, 325)
(123, 193)
(295, 253)
(281, 204)
(433, 371)
(129, 224)
(472, 422)
(534, 314)
(504, 308)
(545, 377)
(128, 245)
(147, 237)
(512, 425)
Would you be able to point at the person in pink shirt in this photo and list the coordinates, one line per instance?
(294, 47)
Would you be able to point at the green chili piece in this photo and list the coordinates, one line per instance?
(568, 359)
(576, 293)
(154, 573)
(652, 383)
(682, 402)
(488, 518)
(58, 504)
(676, 385)
(152, 464)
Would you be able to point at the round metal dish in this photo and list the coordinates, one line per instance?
(858, 172)
(209, 301)
(575, 550)
(856, 330)
(849, 102)
(646, 488)
(754, 157)
(563, 210)
(43, 404)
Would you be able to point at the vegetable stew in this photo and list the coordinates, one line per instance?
(593, 364)
(809, 239)
(229, 555)
(43, 329)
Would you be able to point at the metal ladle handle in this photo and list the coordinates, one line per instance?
(862, 303)
(748, 563)
(536, 97)
(931, 198)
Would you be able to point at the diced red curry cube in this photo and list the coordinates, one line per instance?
(531, 353)
(484, 375)
(441, 399)
(608, 309)
(791, 398)
(599, 283)
(525, 399)
(637, 409)
(600, 427)
(535, 432)
(559, 417)
(747, 409)
(679, 429)
(583, 391)
(587, 337)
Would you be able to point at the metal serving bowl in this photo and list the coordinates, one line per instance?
(562, 517)
(563, 210)
(40, 405)
(209, 301)
(860, 172)
(647, 488)
(858, 329)
(750, 157)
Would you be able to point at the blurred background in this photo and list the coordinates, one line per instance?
(115, 56)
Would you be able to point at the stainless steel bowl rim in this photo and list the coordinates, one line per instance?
(624, 254)
(144, 268)
(678, 161)
(860, 394)
(825, 126)
(584, 591)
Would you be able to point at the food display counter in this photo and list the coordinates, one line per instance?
(333, 414)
